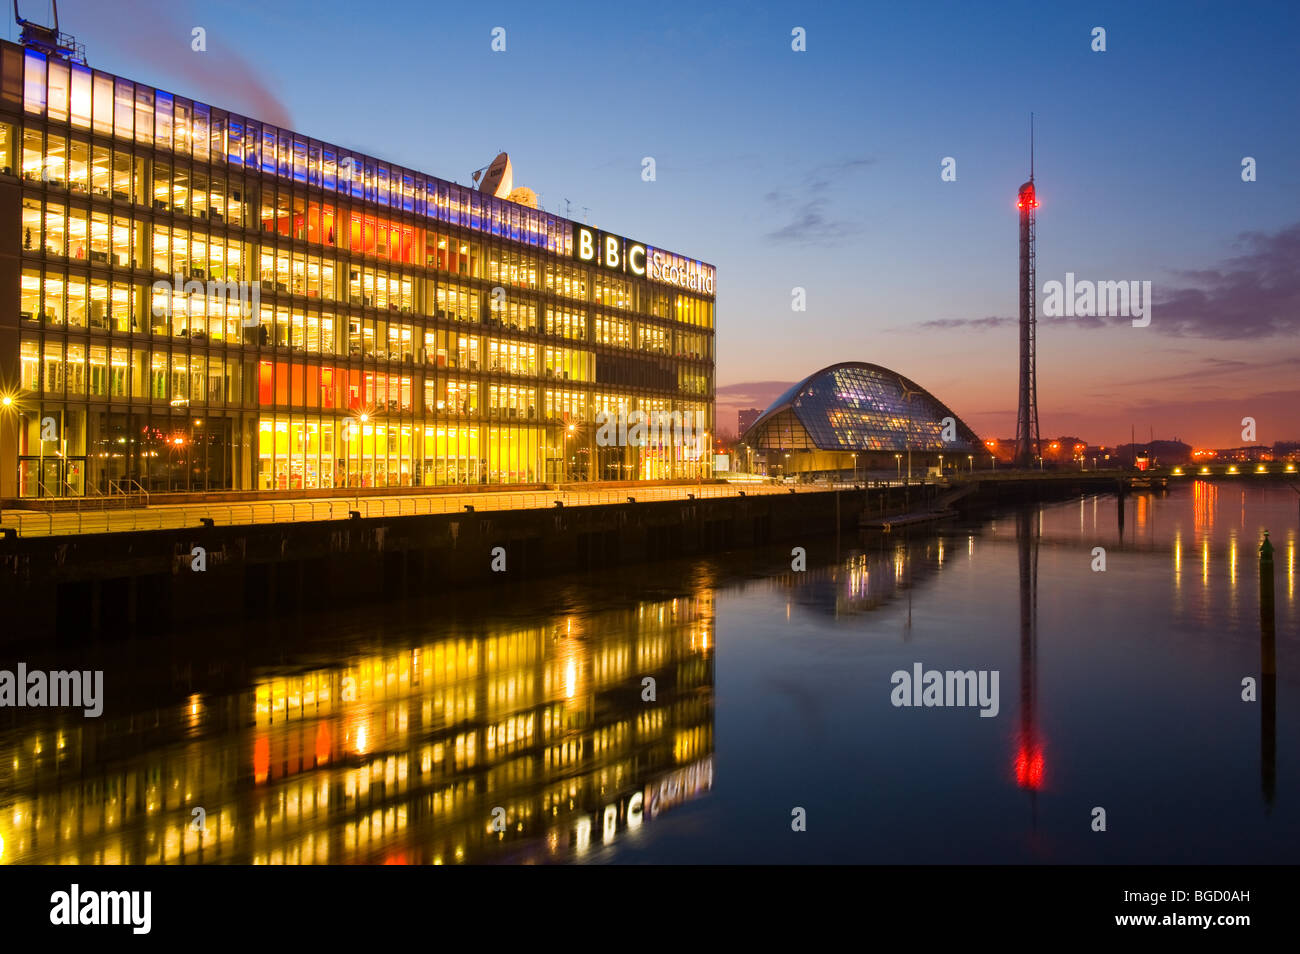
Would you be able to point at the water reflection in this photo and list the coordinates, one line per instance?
(883, 568)
(490, 741)
(1267, 675)
(407, 728)
(1029, 762)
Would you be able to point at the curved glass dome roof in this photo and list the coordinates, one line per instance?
(856, 406)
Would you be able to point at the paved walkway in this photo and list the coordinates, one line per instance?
(169, 516)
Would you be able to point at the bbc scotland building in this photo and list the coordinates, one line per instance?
(401, 331)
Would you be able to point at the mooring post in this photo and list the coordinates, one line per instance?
(1267, 675)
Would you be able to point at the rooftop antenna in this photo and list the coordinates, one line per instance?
(48, 39)
(1031, 147)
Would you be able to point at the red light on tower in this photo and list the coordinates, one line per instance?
(1029, 767)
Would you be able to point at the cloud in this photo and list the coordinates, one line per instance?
(160, 34)
(1247, 297)
(1254, 295)
(948, 324)
(810, 226)
(755, 393)
(805, 205)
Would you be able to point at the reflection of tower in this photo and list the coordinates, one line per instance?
(1027, 414)
(1029, 762)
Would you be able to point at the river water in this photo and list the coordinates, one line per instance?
(703, 710)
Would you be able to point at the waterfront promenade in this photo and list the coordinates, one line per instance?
(163, 516)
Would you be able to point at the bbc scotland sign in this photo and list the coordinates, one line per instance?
(622, 255)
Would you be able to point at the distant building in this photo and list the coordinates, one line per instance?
(747, 417)
(1157, 453)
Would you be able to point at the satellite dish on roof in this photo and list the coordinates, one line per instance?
(499, 179)
(524, 196)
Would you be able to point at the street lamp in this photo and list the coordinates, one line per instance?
(7, 404)
(855, 468)
(898, 459)
(564, 457)
(970, 462)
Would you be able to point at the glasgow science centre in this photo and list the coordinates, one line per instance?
(194, 300)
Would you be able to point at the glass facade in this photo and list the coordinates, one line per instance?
(859, 408)
(200, 301)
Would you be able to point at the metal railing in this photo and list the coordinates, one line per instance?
(128, 488)
(176, 516)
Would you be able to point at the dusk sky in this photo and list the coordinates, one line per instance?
(821, 169)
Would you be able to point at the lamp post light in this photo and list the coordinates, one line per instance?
(898, 459)
(564, 457)
(699, 466)
(855, 468)
(970, 461)
(7, 405)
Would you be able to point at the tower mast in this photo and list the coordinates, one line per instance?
(1027, 436)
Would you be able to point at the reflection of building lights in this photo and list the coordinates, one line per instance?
(635, 804)
(261, 759)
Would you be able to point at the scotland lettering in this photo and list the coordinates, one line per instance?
(56, 689)
(682, 272)
(949, 688)
(74, 907)
(1087, 299)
